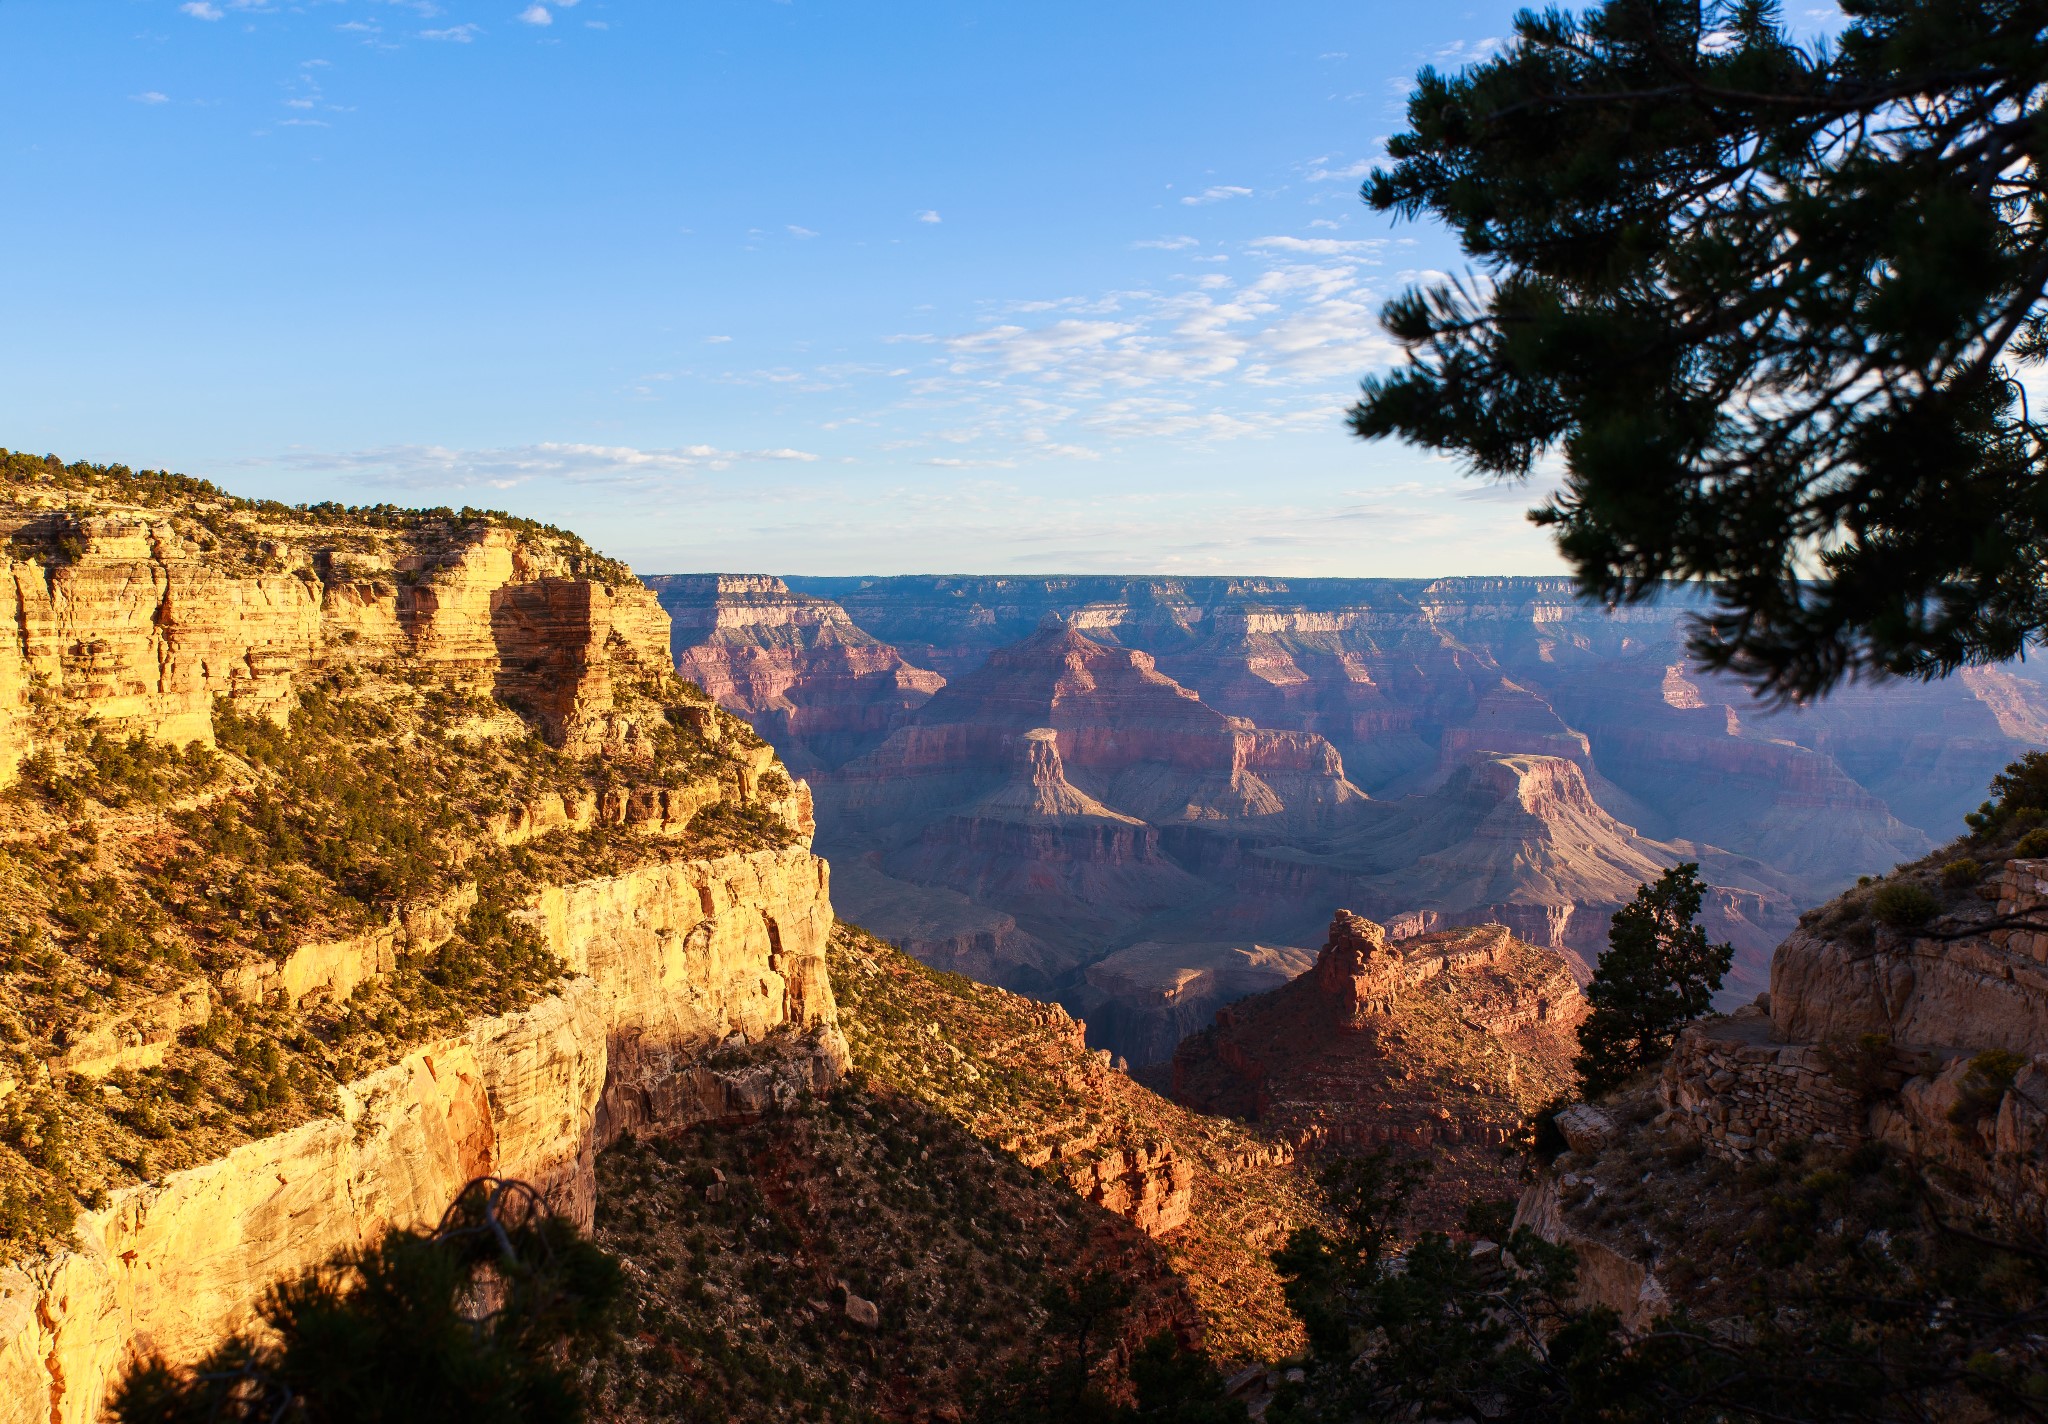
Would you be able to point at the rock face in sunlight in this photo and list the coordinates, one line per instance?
(1197, 812)
(362, 852)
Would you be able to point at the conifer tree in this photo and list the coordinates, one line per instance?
(471, 1321)
(1659, 974)
(1769, 302)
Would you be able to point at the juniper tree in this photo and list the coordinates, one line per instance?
(1659, 974)
(1769, 302)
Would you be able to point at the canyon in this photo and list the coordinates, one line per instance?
(1144, 796)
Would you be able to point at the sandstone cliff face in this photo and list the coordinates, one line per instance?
(473, 884)
(670, 962)
(1932, 1040)
(143, 624)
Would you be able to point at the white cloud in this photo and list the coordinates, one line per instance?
(1168, 244)
(1470, 51)
(535, 15)
(1219, 193)
(929, 215)
(948, 463)
(200, 10)
(454, 34)
(801, 232)
(716, 340)
(446, 467)
(1321, 171)
(150, 96)
(1317, 246)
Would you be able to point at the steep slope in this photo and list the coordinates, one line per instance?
(977, 1154)
(350, 854)
(1443, 1041)
(1016, 1074)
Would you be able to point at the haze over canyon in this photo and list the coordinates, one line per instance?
(1144, 797)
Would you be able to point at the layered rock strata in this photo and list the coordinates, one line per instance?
(671, 963)
(810, 681)
(1449, 700)
(143, 621)
(473, 884)
(1932, 1040)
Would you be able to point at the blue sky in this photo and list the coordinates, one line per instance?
(816, 286)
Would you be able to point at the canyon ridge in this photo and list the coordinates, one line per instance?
(1143, 796)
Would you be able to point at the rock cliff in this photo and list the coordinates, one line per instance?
(349, 854)
(810, 681)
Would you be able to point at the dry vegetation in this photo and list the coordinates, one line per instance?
(1013, 1073)
(740, 1243)
(134, 876)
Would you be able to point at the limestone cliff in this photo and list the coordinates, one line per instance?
(668, 963)
(349, 854)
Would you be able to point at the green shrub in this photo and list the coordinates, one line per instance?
(1990, 1074)
(2021, 787)
(1902, 904)
(2033, 843)
(1960, 874)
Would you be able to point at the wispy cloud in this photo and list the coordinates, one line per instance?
(454, 34)
(150, 96)
(1318, 246)
(801, 232)
(1323, 171)
(201, 10)
(929, 215)
(449, 467)
(1167, 244)
(1218, 194)
(946, 462)
(535, 15)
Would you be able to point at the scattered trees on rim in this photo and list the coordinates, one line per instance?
(1659, 974)
(1768, 302)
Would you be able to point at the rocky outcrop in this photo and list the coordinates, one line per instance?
(1607, 1275)
(1932, 1040)
(1442, 1041)
(144, 620)
(681, 971)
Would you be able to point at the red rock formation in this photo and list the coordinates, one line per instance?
(795, 667)
(1443, 1041)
